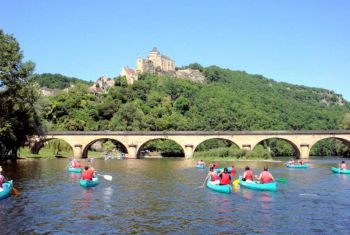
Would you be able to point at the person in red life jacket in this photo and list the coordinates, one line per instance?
(77, 164)
(248, 174)
(291, 162)
(233, 171)
(265, 176)
(214, 165)
(225, 177)
(301, 162)
(342, 165)
(214, 176)
(87, 174)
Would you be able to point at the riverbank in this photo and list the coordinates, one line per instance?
(47, 153)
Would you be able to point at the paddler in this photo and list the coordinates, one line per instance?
(265, 176)
(214, 176)
(342, 165)
(248, 174)
(225, 177)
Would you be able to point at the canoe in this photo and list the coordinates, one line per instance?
(219, 188)
(90, 183)
(257, 186)
(74, 170)
(218, 170)
(7, 189)
(298, 166)
(340, 171)
(200, 166)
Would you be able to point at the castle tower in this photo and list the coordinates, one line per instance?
(140, 64)
(154, 54)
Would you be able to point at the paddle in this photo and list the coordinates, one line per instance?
(282, 180)
(106, 177)
(204, 181)
(14, 191)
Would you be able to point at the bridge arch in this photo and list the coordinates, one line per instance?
(140, 153)
(214, 138)
(297, 150)
(115, 141)
(344, 141)
(35, 146)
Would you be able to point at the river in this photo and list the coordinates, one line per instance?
(164, 196)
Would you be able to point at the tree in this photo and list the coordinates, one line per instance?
(346, 122)
(19, 117)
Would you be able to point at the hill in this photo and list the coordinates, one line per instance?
(229, 100)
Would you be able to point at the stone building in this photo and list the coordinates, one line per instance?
(102, 85)
(129, 73)
(155, 62)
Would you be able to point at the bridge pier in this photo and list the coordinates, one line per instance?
(247, 147)
(132, 151)
(304, 151)
(188, 151)
(78, 151)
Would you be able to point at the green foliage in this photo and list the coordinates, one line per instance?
(229, 101)
(346, 122)
(278, 147)
(56, 81)
(18, 97)
(164, 147)
(331, 147)
(108, 146)
(214, 144)
(259, 152)
(57, 146)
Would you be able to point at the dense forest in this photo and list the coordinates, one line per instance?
(228, 100)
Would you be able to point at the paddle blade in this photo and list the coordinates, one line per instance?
(236, 182)
(108, 177)
(282, 180)
(14, 192)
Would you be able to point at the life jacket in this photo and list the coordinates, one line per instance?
(87, 174)
(249, 175)
(215, 165)
(225, 179)
(214, 176)
(1, 180)
(200, 163)
(301, 162)
(77, 165)
(343, 166)
(265, 177)
(233, 171)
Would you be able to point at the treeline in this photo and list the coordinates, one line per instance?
(56, 81)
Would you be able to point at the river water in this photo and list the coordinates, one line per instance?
(164, 196)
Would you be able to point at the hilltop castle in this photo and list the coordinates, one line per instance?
(157, 63)
(154, 63)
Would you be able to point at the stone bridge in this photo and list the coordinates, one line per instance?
(81, 141)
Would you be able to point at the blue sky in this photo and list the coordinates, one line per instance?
(295, 41)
